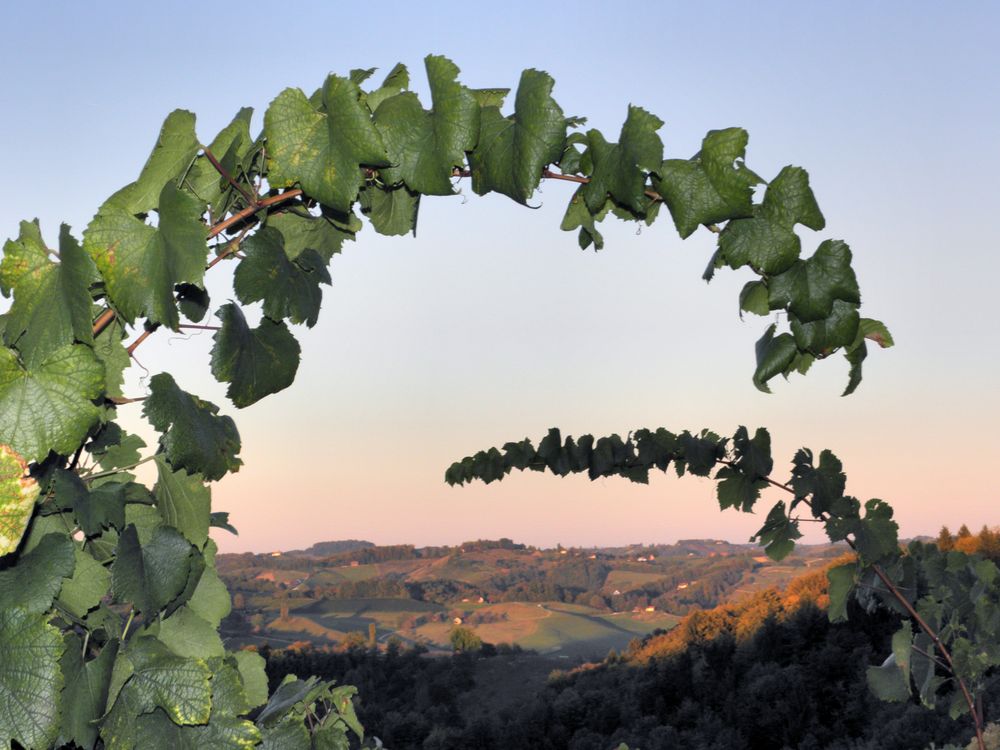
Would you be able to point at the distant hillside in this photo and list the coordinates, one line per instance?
(766, 671)
(326, 549)
(566, 601)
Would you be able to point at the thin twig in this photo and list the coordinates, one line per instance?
(239, 216)
(200, 327)
(122, 400)
(930, 656)
(142, 337)
(98, 475)
(128, 623)
(229, 178)
(76, 458)
(231, 248)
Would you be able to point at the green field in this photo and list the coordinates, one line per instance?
(627, 580)
(554, 628)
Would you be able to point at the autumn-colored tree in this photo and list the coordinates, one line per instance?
(945, 540)
(989, 543)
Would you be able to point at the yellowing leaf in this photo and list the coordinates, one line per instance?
(18, 493)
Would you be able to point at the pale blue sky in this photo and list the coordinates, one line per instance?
(493, 325)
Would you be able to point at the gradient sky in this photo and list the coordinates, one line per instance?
(492, 325)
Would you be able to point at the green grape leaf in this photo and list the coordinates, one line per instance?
(922, 668)
(290, 734)
(290, 692)
(790, 200)
(578, 215)
(154, 678)
(156, 730)
(173, 153)
(30, 679)
(33, 583)
(42, 526)
(766, 246)
(809, 287)
(826, 483)
(902, 648)
(737, 490)
(228, 147)
(425, 146)
(331, 736)
(875, 330)
(251, 667)
(774, 355)
(68, 490)
(49, 407)
(255, 362)
(513, 150)
(229, 698)
(111, 352)
(857, 352)
(288, 288)
(18, 493)
(398, 79)
(141, 264)
(219, 519)
(619, 169)
(28, 254)
(192, 301)
(855, 356)
(210, 599)
(195, 437)
(360, 75)
(52, 303)
(753, 455)
(152, 574)
(322, 151)
(779, 532)
(101, 508)
(877, 535)
(88, 585)
(753, 298)
(823, 336)
(187, 634)
(184, 501)
(712, 186)
(841, 584)
(316, 233)
(490, 97)
(341, 700)
(86, 691)
(197, 571)
(887, 681)
(767, 241)
(114, 448)
(392, 211)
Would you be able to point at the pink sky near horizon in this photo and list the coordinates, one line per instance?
(492, 326)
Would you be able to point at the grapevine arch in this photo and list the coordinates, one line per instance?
(109, 599)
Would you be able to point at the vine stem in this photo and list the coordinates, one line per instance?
(128, 623)
(912, 612)
(91, 477)
(108, 315)
(106, 318)
(229, 178)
